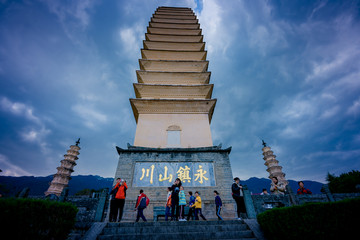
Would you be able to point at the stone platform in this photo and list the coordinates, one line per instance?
(143, 168)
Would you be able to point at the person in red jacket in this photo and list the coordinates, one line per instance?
(120, 196)
(113, 203)
(302, 189)
(141, 204)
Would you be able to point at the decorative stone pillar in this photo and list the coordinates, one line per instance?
(249, 204)
(62, 177)
(272, 164)
(101, 205)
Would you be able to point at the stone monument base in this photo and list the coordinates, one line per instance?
(154, 169)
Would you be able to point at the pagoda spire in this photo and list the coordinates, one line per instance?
(272, 164)
(62, 177)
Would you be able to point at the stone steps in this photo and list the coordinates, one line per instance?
(168, 229)
(177, 230)
(183, 236)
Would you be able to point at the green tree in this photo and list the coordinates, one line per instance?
(88, 192)
(85, 192)
(345, 183)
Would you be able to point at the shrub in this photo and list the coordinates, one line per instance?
(345, 183)
(36, 219)
(334, 220)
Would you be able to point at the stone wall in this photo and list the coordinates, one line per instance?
(87, 207)
(157, 195)
(265, 202)
(342, 196)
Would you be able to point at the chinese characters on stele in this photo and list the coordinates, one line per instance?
(163, 174)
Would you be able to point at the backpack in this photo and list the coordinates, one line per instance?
(125, 188)
(168, 203)
(113, 193)
(144, 202)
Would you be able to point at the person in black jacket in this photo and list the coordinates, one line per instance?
(238, 195)
(175, 188)
(218, 204)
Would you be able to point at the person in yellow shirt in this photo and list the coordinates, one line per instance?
(197, 206)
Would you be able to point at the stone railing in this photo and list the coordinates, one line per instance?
(256, 204)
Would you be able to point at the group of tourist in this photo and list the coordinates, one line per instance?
(176, 200)
(278, 188)
(117, 202)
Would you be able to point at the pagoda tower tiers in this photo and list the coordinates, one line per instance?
(272, 164)
(173, 105)
(62, 177)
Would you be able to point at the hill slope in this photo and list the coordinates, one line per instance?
(256, 185)
(10, 186)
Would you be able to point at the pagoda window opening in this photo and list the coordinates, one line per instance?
(173, 136)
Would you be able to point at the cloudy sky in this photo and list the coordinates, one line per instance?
(287, 72)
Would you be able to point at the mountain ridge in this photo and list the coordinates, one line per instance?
(10, 186)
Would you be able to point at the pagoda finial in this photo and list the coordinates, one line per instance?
(78, 142)
(263, 143)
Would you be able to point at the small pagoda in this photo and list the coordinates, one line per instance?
(272, 164)
(62, 177)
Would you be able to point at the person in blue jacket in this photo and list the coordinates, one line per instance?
(191, 206)
(141, 203)
(218, 204)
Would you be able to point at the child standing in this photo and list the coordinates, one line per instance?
(197, 205)
(141, 204)
(182, 203)
(168, 204)
(218, 204)
(191, 206)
